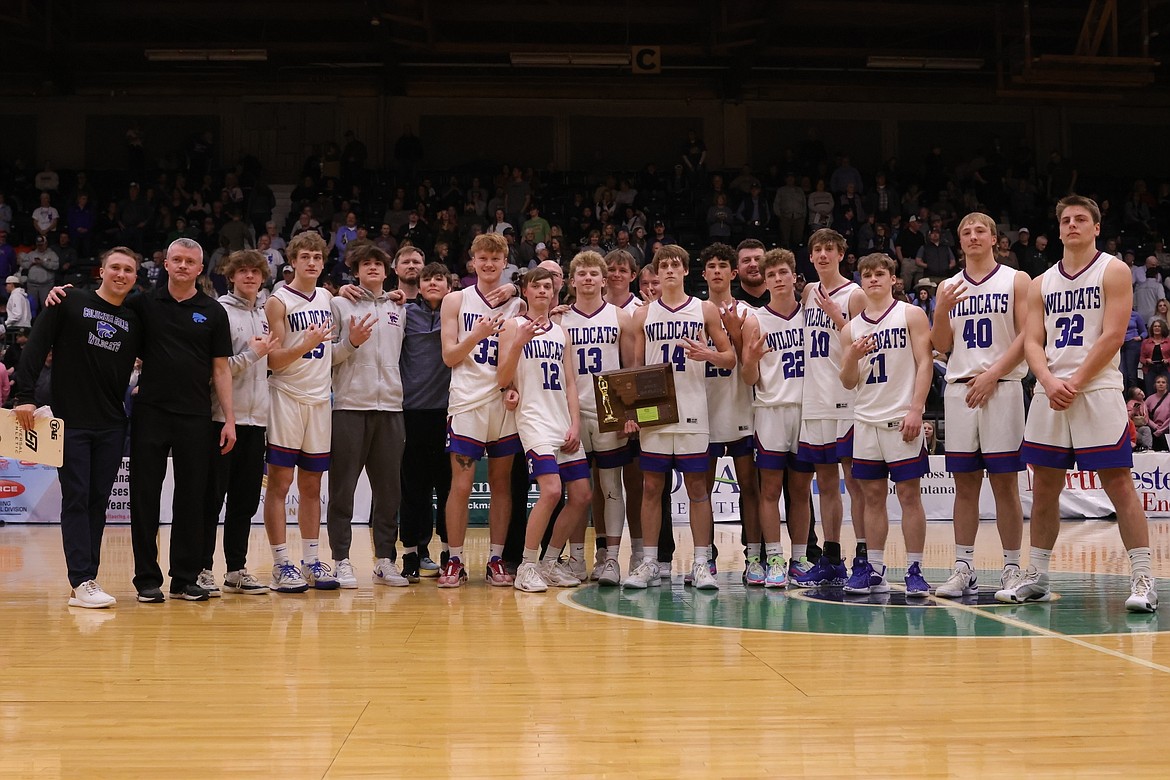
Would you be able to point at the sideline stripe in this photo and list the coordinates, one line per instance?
(1073, 640)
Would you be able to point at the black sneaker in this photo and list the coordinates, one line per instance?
(151, 596)
(410, 562)
(190, 593)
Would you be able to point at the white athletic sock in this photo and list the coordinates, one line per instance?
(457, 553)
(912, 558)
(611, 552)
(1011, 558)
(1139, 561)
(637, 551)
(1040, 559)
(877, 559)
(309, 550)
(774, 548)
(531, 556)
(280, 554)
(577, 551)
(965, 553)
(799, 551)
(753, 551)
(446, 548)
(497, 551)
(650, 553)
(702, 554)
(409, 550)
(553, 553)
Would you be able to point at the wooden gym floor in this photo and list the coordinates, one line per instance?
(486, 683)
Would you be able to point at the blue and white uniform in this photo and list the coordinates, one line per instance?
(682, 445)
(1094, 430)
(826, 433)
(983, 326)
(885, 391)
(779, 391)
(476, 418)
(300, 423)
(594, 343)
(542, 417)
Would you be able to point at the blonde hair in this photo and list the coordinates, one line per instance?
(492, 243)
(588, 259)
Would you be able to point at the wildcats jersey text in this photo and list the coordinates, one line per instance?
(665, 330)
(983, 324)
(825, 397)
(473, 381)
(542, 418)
(1074, 317)
(595, 342)
(886, 385)
(308, 378)
(782, 366)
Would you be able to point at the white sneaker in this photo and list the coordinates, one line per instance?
(286, 578)
(243, 582)
(577, 569)
(962, 582)
(645, 575)
(558, 574)
(1031, 585)
(598, 563)
(528, 579)
(611, 573)
(91, 596)
(319, 575)
(702, 578)
(1011, 572)
(206, 580)
(1143, 596)
(345, 576)
(385, 573)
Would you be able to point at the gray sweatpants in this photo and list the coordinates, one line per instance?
(374, 441)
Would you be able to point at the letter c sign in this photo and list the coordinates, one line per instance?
(646, 59)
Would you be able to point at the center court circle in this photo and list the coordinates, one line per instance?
(1082, 605)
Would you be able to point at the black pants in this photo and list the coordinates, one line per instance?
(185, 438)
(426, 478)
(87, 474)
(238, 477)
(518, 522)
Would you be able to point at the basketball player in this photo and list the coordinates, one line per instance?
(532, 358)
(979, 317)
(674, 331)
(1078, 311)
(729, 406)
(887, 358)
(478, 422)
(773, 362)
(826, 432)
(601, 338)
(299, 427)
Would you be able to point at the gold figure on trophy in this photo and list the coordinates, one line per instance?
(603, 387)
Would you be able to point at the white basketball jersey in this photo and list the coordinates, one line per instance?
(543, 414)
(729, 400)
(825, 397)
(631, 305)
(886, 386)
(473, 382)
(782, 366)
(983, 324)
(665, 329)
(594, 342)
(1074, 316)
(308, 378)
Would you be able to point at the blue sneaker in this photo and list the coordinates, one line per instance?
(865, 579)
(916, 585)
(824, 573)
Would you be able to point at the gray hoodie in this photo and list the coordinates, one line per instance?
(367, 378)
(249, 370)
